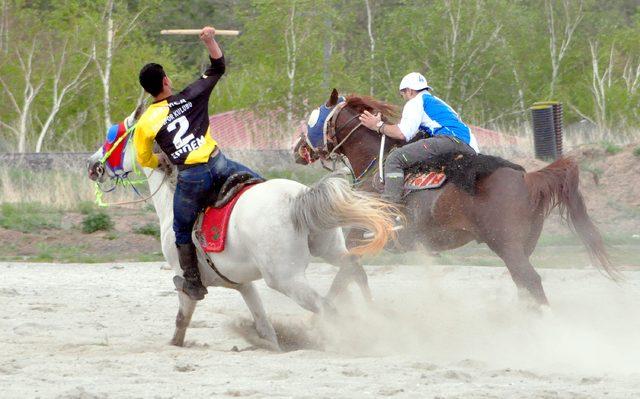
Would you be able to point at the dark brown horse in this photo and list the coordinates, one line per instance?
(506, 210)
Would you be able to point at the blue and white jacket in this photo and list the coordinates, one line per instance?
(429, 115)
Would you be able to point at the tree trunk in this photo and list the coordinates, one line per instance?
(372, 46)
(291, 47)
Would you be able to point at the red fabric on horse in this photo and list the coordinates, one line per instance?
(215, 221)
(421, 181)
(116, 158)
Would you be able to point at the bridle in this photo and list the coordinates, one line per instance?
(122, 179)
(331, 133)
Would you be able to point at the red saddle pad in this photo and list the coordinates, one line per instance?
(215, 221)
(422, 181)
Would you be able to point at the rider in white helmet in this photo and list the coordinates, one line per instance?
(423, 114)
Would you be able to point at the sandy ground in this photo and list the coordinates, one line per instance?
(102, 331)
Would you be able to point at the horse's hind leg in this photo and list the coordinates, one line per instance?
(297, 288)
(534, 234)
(330, 246)
(350, 270)
(522, 272)
(263, 325)
(185, 311)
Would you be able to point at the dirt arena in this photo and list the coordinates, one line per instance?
(102, 331)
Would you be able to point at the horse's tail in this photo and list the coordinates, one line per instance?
(557, 185)
(331, 203)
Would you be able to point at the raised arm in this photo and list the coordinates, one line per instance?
(209, 79)
(208, 37)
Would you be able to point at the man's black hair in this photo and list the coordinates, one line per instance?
(151, 78)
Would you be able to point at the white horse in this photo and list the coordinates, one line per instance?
(274, 229)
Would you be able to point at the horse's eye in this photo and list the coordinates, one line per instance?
(313, 118)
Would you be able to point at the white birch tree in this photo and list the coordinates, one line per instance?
(631, 76)
(114, 34)
(561, 34)
(291, 47)
(600, 82)
(61, 86)
(23, 102)
(372, 46)
(4, 28)
(465, 45)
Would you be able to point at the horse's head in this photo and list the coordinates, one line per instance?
(334, 128)
(313, 144)
(115, 158)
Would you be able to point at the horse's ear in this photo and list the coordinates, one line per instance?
(139, 110)
(333, 100)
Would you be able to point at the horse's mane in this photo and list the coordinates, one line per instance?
(360, 104)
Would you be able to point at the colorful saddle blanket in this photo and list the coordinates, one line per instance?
(424, 180)
(212, 231)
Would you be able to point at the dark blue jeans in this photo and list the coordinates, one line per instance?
(196, 186)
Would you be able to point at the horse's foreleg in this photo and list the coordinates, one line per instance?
(263, 325)
(185, 311)
(350, 270)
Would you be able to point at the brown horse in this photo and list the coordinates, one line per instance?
(506, 208)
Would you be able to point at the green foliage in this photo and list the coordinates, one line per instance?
(28, 217)
(111, 235)
(67, 254)
(149, 229)
(98, 221)
(636, 151)
(87, 207)
(490, 62)
(612, 149)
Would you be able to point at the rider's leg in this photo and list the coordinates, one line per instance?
(222, 167)
(192, 189)
(397, 162)
(410, 155)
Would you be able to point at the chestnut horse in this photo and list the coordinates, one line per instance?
(506, 209)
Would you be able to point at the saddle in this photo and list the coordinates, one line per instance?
(211, 225)
(463, 170)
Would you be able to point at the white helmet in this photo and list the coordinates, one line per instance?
(414, 81)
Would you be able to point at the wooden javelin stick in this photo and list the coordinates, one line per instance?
(197, 32)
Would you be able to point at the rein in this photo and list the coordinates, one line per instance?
(100, 192)
(330, 135)
(124, 178)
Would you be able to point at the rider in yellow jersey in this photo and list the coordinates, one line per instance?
(179, 123)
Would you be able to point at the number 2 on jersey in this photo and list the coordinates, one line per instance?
(182, 124)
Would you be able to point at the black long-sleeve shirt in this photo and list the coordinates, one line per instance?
(180, 123)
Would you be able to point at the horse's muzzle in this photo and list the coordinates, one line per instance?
(96, 171)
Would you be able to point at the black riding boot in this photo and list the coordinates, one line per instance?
(189, 264)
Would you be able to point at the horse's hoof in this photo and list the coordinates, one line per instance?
(177, 343)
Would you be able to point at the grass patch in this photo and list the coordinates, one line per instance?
(149, 229)
(87, 207)
(152, 257)
(611, 148)
(67, 254)
(29, 217)
(636, 151)
(98, 221)
(111, 235)
(63, 189)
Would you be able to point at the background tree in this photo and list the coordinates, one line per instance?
(490, 59)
